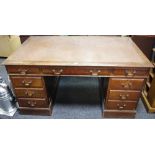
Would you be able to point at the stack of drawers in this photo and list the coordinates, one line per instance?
(122, 97)
(31, 94)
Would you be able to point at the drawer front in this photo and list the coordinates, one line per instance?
(75, 70)
(93, 71)
(121, 105)
(23, 70)
(90, 71)
(123, 95)
(30, 93)
(131, 72)
(27, 82)
(126, 84)
(33, 103)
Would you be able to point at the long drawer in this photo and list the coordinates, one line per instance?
(92, 71)
(121, 105)
(123, 95)
(33, 103)
(126, 84)
(30, 92)
(27, 82)
(75, 70)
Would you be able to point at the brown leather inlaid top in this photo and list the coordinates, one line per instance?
(79, 51)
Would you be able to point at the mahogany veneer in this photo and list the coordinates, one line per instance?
(117, 58)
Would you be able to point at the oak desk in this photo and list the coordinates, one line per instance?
(116, 58)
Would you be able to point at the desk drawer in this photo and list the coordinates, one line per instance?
(93, 71)
(131, 72)
(23, 70)
(123, 95)
(126, 84)
(27, 82)
(33, 103)
(121, 105)
(30, 93)
(90, 71)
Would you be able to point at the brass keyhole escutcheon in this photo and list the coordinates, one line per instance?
(126, 84)
(26, 83)
(95, 72)
(23, 71)
(29, 93)
(57, 71)
(31, 103)
(121, 107)
(130, 72)
(124, 96)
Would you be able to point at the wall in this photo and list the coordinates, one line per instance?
(8, 44)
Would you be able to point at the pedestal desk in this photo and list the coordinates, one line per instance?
(117, 59)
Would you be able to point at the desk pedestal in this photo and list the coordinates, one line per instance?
(122, 97)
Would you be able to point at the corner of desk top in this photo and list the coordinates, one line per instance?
(5, 63)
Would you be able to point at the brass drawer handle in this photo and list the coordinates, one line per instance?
(23, 71)
(27, 84)
(121, 107)
(95, 72)
(123, 96)
(29, 93)
(130, 72)
(57, 72)
(31, 103)
(126, 84)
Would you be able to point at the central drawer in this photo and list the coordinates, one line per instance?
(27, 82)
(30, 92)
(92, 71)
(124, 95)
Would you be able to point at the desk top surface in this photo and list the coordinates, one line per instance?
(79, 51)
